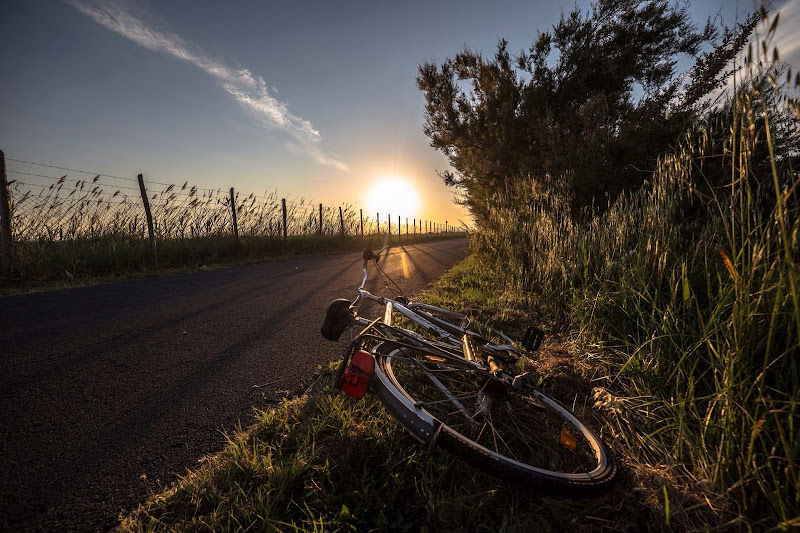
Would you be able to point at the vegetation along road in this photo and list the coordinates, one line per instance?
(112, 389)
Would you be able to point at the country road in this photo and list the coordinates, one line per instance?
(102, 385)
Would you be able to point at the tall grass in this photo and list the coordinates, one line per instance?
(78, 228)
(73, 209)
(691, 286)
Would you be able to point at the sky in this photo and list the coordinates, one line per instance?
(314, 100)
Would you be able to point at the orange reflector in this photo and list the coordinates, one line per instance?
(435, 359)
(568, 440)
(357, 375)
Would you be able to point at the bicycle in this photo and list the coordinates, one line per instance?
(467, 392)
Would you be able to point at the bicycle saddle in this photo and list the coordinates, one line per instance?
(336, 319)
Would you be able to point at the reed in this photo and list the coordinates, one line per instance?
(690, 287)
(83, 228)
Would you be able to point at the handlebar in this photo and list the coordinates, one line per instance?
(369, 254)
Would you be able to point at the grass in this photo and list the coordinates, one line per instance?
(688, 290)
(79, 230)
(323, 461)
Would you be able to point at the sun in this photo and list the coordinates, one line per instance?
(393, 196)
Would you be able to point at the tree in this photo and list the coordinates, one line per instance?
(591, 104)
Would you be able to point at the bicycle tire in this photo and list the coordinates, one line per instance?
(410, 398)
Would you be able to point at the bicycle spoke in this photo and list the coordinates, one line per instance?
(435, 402)
(470, 401)
(523, 439)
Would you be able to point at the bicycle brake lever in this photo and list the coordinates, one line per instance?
(380, 252)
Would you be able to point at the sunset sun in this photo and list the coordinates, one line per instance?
(393, 196)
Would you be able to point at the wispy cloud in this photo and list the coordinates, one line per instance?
(787, 38)
(249, 90)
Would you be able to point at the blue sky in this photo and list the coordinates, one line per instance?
(314, 99)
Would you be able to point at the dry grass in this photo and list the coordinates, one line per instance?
(80, 229)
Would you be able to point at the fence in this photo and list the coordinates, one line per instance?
(41, 202)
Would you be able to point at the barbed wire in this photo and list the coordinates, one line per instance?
(91, 172)
(148, 181)
(87, 207)
(68, 169)
(65, 181)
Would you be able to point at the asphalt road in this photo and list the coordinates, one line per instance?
(102, 385)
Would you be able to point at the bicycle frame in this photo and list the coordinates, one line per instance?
(450, 382)
(407, 310)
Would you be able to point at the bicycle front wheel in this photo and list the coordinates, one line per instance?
(516, 432)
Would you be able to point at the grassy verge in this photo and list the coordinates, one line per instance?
(690, 289)
(48, 265)
(322, 461)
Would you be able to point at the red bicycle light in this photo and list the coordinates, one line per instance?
(357, 375)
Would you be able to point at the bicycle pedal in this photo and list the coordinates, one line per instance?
(532, 339)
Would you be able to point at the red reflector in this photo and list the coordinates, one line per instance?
(356, 377)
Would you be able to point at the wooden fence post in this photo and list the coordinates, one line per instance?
(285, 229)
(406, 225)
(361, 214)
(320, 219)
(233, 211)
(445, 226)
(389, 219)
(378, 223)
(341, 220)
(399, 228)
(6, 239)
(149, 216)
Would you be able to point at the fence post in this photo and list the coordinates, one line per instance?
(378, 223)
(415, 226)
(341, 220)
(320, 219)
(149, 216)
(389, 219)
(361, 214)
(233, 211)
(6, 240)
(406, 225)
(285, 229)
(445, 226)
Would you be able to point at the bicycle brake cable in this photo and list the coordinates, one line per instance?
(384, 276)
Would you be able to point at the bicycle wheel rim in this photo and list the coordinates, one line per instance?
(520, 439)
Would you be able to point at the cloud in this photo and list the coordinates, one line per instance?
(787, 39)
(249, 90)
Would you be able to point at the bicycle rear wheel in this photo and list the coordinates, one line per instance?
(515, 433)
